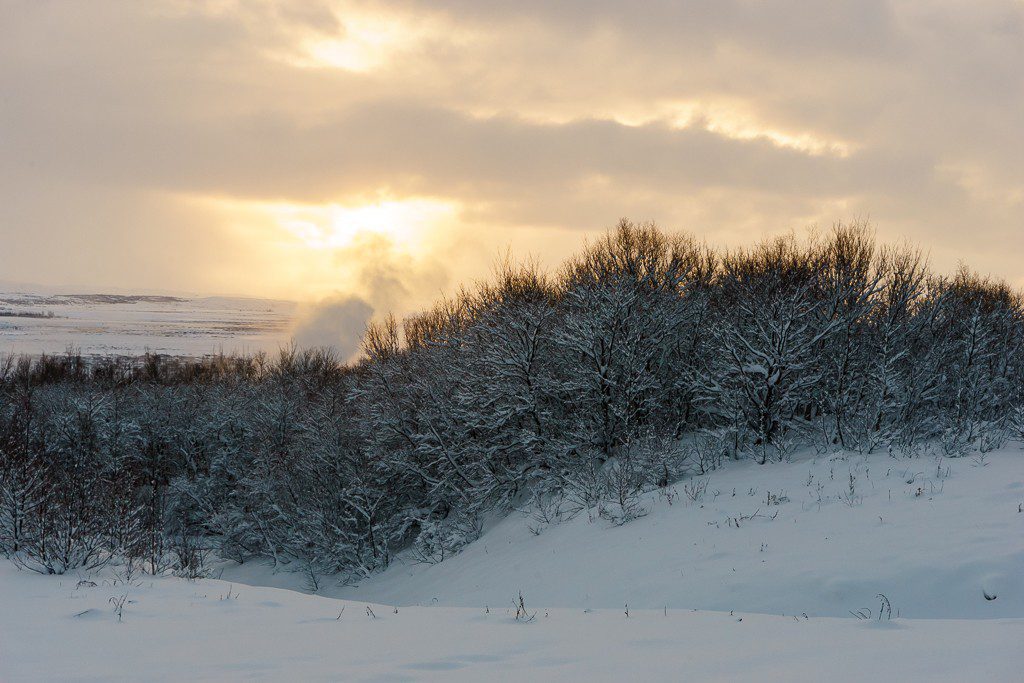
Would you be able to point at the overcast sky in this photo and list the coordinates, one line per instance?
(301, 149)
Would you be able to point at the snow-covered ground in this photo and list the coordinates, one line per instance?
(103, 324)
(931, 534)
(175, 630)
(753, 576)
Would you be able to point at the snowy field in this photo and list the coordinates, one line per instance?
(752, 573)
(104, 324)
(175, 630)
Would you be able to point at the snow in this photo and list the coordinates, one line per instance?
(932, 554)
(770, 599)
(132, 324)
(176, 630)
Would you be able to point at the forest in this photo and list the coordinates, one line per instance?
(647, 358)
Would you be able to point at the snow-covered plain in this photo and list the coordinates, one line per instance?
(110, 324)
(769, 599)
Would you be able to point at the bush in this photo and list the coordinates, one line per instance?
(646, 359)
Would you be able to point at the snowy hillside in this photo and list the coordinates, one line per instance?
(768, 572)
(823, 535)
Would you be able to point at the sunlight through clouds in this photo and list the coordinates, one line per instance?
(733, 120)
(385, 251)
(270, 137)
(408, 222)
(365, 41)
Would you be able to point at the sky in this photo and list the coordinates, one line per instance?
(378, 154)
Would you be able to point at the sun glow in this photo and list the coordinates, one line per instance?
(335, 226)
(366, 41)
(307, 251)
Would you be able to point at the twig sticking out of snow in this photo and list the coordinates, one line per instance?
(521, 613)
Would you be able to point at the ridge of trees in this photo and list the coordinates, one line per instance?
(646, 358)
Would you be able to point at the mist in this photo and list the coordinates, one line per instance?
(384, 280)
(335, 322)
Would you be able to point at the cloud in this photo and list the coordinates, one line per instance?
(541, 121)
